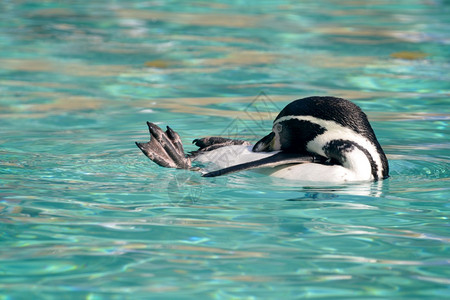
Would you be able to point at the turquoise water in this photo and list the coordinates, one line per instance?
(84, 215)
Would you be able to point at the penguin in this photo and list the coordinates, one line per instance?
(319, 138)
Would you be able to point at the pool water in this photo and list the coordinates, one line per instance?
(84, 215)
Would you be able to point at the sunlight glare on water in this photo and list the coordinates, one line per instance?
(84, 215)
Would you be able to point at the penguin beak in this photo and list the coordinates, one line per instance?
(266, 144)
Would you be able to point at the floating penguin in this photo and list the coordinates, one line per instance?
(320, 139)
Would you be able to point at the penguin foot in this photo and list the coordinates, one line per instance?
(165, 148)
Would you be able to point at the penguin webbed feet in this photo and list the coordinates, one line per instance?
(165, 148)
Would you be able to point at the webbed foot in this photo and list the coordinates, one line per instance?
(165, 148)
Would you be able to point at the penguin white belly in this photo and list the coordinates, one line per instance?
(317, 173)
(227, 156)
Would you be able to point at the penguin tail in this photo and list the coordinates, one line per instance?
(165, 148)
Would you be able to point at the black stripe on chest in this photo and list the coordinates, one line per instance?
(338, 150)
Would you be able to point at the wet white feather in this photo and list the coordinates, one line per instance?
(233, 155)
(317, 173)
(228, 156)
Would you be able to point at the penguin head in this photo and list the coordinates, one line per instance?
(327, 126)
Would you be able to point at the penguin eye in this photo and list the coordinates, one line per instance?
(278, 128)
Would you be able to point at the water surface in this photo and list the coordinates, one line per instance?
(83, 214)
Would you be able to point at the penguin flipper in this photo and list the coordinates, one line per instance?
(278, 159)
(214, 142)
(165, 148)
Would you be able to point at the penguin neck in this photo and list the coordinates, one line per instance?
(350, 155)
(357, 162)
